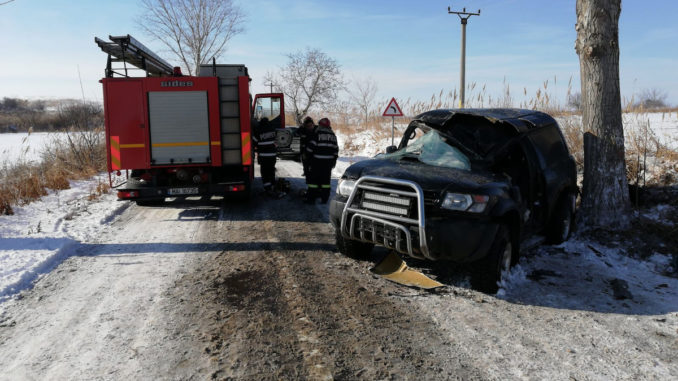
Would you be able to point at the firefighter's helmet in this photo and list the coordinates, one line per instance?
(324, 122)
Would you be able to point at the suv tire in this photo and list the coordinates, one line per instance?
(351, 248)
(561, 225)
(489, 271)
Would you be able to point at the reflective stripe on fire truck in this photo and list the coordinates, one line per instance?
(132, 145)
(246, 148)
(216, 143)
(115, 153)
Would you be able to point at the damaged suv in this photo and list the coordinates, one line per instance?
(466, 185)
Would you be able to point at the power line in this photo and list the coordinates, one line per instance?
(463, 16)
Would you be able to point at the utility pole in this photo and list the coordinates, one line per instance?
(463, 16)
(271, 105)
(271, 84)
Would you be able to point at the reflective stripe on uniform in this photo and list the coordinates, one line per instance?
(324, 156)
(266, 143)
(326, 145)
(268, 184)
(308, 149)
(267, 154)
(312, 186)
(326, 186)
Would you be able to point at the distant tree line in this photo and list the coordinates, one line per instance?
(20, 115)
(648, 99)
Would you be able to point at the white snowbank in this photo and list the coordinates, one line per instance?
(34, 239)
(577, 275)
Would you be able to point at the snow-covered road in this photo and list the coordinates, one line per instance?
(122, 291)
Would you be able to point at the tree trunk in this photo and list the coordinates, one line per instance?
(605, 200)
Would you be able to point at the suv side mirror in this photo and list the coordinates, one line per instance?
(391, 149)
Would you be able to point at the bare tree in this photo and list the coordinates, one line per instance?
(363, 95)
(193, 30)
(574, 101)
(652, 98)
(310, 78)
(605, 200)
(83, 116)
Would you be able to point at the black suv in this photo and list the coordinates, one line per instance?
(465, 185)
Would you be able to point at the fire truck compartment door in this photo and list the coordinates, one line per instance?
(179, 127)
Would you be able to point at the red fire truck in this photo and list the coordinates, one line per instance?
(177, 135)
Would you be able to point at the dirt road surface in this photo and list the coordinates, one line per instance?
(200, 290)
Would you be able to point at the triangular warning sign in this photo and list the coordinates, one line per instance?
(392, 109)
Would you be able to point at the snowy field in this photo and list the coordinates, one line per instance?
(23, 146)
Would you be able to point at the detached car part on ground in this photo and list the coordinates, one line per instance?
(464, 185)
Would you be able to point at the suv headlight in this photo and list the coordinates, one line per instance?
(465, 202)
(345, 187)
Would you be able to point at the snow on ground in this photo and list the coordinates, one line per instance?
(33, 240)
(23, 146)
(580, 274)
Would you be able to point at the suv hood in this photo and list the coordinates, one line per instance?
(429, 178)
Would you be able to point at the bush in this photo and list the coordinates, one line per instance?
(72, 156)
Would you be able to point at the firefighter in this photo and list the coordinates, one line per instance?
(306, 131)
(322, 152)
(264, 140)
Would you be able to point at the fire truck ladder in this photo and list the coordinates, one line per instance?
(127, 50)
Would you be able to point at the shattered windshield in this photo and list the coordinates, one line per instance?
(433, 150)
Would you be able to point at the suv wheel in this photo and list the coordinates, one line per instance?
(562, 222)
(351, 248)
(489, 271)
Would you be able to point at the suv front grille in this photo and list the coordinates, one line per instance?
(386, 203)
(387, 212)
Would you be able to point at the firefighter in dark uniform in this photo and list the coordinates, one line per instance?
(306, 131)
(264, 140)
(322, 152)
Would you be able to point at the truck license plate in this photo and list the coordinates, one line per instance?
(182, 191)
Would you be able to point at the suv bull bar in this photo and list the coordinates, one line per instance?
(355, 229)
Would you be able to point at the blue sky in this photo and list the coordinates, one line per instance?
(410, 48)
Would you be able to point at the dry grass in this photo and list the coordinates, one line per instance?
(71, 156)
